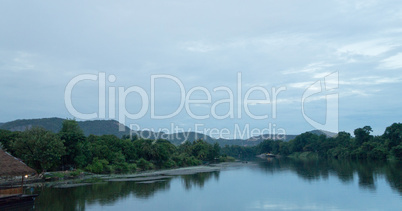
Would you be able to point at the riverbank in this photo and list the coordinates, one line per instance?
(85, 178)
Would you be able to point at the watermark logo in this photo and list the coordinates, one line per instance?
(237, 102)
(326, 89)
(238, 97)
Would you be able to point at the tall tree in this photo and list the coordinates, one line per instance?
(393, 135)
(40, 149)
(363, 135)
(76, 144)
(6, 137)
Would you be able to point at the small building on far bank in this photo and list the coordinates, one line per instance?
(11, 166)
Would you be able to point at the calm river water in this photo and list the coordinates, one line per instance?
(276, 184)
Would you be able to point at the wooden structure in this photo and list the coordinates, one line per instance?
(13, 167)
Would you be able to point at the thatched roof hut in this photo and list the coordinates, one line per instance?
(11, 166)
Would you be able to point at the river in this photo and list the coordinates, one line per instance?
(271, 184)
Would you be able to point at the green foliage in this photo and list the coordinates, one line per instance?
(39, 148)
(144, 164)
(98, 166)
(397, 152)
(42, 149)
(240, 152)
(393, 135)
(6, 137)
(76, 173)
(343, 146)
(186, 160)
(363, 135)
(77, 152)
(169, 164)
(226, 159)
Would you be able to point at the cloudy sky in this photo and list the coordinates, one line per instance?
(261, 45)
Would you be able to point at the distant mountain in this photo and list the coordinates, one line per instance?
(51, 124)
(103, 127)
(111, 127)
(272, 137)
(95, 127)
(178, 138)
(323, 132)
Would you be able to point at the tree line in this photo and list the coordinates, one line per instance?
(70, 149)
(343, 146)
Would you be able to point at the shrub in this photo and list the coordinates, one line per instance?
(169, 164)
(226, 159)
(76, 172)
(144, 164)
(98, 166)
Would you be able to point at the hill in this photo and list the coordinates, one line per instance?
(51, 124)
(111, 127)
(323, 132)
(95, 127)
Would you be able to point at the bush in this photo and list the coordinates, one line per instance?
(226, 159)
(169, 164)
(144, 164)
(397, 152)
(76, 172)
(123, 167)
(98, 166)
(132, 167)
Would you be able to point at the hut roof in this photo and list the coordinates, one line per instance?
(12, 166)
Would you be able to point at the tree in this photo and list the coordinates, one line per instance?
(77, 152)
(40, 149)
(393, 135)
(6, 137)
(363, 135)
(304, 142)
(397, 152)
(216, 150)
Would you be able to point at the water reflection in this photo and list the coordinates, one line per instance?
(109, 193)
(104, 194)
(198, 180)
(345, 170)
(249, 187)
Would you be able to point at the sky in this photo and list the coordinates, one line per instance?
(333, 65)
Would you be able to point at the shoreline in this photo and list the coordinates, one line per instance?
(143, 177)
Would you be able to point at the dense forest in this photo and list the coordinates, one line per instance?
(70, 149)
(343, 146)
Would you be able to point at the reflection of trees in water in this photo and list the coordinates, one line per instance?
(106, 193)
(109, 193)
(394, 176)
(314, 169)
(198, 180)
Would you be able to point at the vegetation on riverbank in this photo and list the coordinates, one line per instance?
(71, 149)
(308, 145)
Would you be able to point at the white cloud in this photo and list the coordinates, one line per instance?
(354, 92)
(19, 61)
(368, 48)
(310, 68)
(371, 80)
(300, 85)
(393, 62)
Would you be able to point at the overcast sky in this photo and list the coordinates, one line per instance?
(272, 44)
